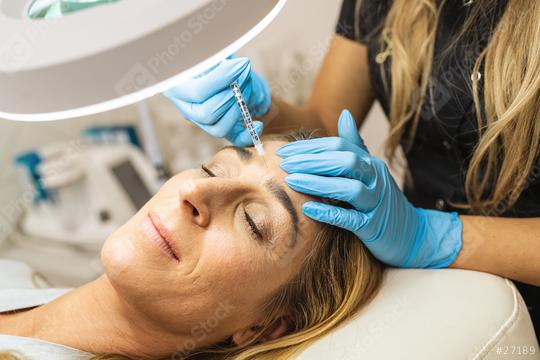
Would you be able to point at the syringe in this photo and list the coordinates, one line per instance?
(246, 116)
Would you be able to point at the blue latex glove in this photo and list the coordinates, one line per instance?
(209, 102)
(395, 231)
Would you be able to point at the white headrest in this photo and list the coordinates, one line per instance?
(436, 314)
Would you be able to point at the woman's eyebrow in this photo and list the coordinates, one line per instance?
(277, 190)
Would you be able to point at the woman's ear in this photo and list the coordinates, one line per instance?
(276, 330)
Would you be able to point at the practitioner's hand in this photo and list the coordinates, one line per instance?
(208, 100)
(395, 231)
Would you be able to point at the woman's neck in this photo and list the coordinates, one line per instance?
(95, 319)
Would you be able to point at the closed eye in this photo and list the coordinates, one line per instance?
(207, 171)
(254, 229)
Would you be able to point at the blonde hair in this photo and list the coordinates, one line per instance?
(508, 122)
(11, 356)
(15, 355)
(337, 279)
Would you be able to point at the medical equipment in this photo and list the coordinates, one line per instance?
(151, 145)
(117, 54)
(112, 134)
(57, 8)
(91, 190)
(246, 116)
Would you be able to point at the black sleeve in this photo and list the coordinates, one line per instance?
(371, 17)
(346, 23)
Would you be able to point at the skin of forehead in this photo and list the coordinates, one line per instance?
(270, 168)
(277, 174)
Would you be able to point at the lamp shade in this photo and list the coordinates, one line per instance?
(116, 54)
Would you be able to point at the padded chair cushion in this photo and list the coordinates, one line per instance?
(435, 314)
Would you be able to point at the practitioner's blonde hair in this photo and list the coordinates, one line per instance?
(337, 279)
(508, 120)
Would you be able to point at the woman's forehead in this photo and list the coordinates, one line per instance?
(258, 169)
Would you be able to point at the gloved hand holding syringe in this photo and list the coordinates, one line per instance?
(209, 102)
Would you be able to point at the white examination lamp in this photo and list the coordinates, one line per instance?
(115, 54)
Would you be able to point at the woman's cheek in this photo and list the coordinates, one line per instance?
(231, 253)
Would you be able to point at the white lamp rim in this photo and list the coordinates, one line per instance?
(154, 89)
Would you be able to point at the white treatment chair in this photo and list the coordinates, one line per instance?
(435, 315)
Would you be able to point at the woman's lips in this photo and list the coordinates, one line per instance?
(158, 234)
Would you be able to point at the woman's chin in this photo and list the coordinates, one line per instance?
(127, 256)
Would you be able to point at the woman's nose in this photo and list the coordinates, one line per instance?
(194, 203)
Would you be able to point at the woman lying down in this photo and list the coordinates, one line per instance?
(219, 264)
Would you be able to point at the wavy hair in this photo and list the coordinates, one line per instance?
(508, 109)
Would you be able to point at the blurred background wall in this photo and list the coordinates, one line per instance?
(288, 54)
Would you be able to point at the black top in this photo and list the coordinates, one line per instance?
(447, 130)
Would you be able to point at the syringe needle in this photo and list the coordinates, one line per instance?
(246, 116)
